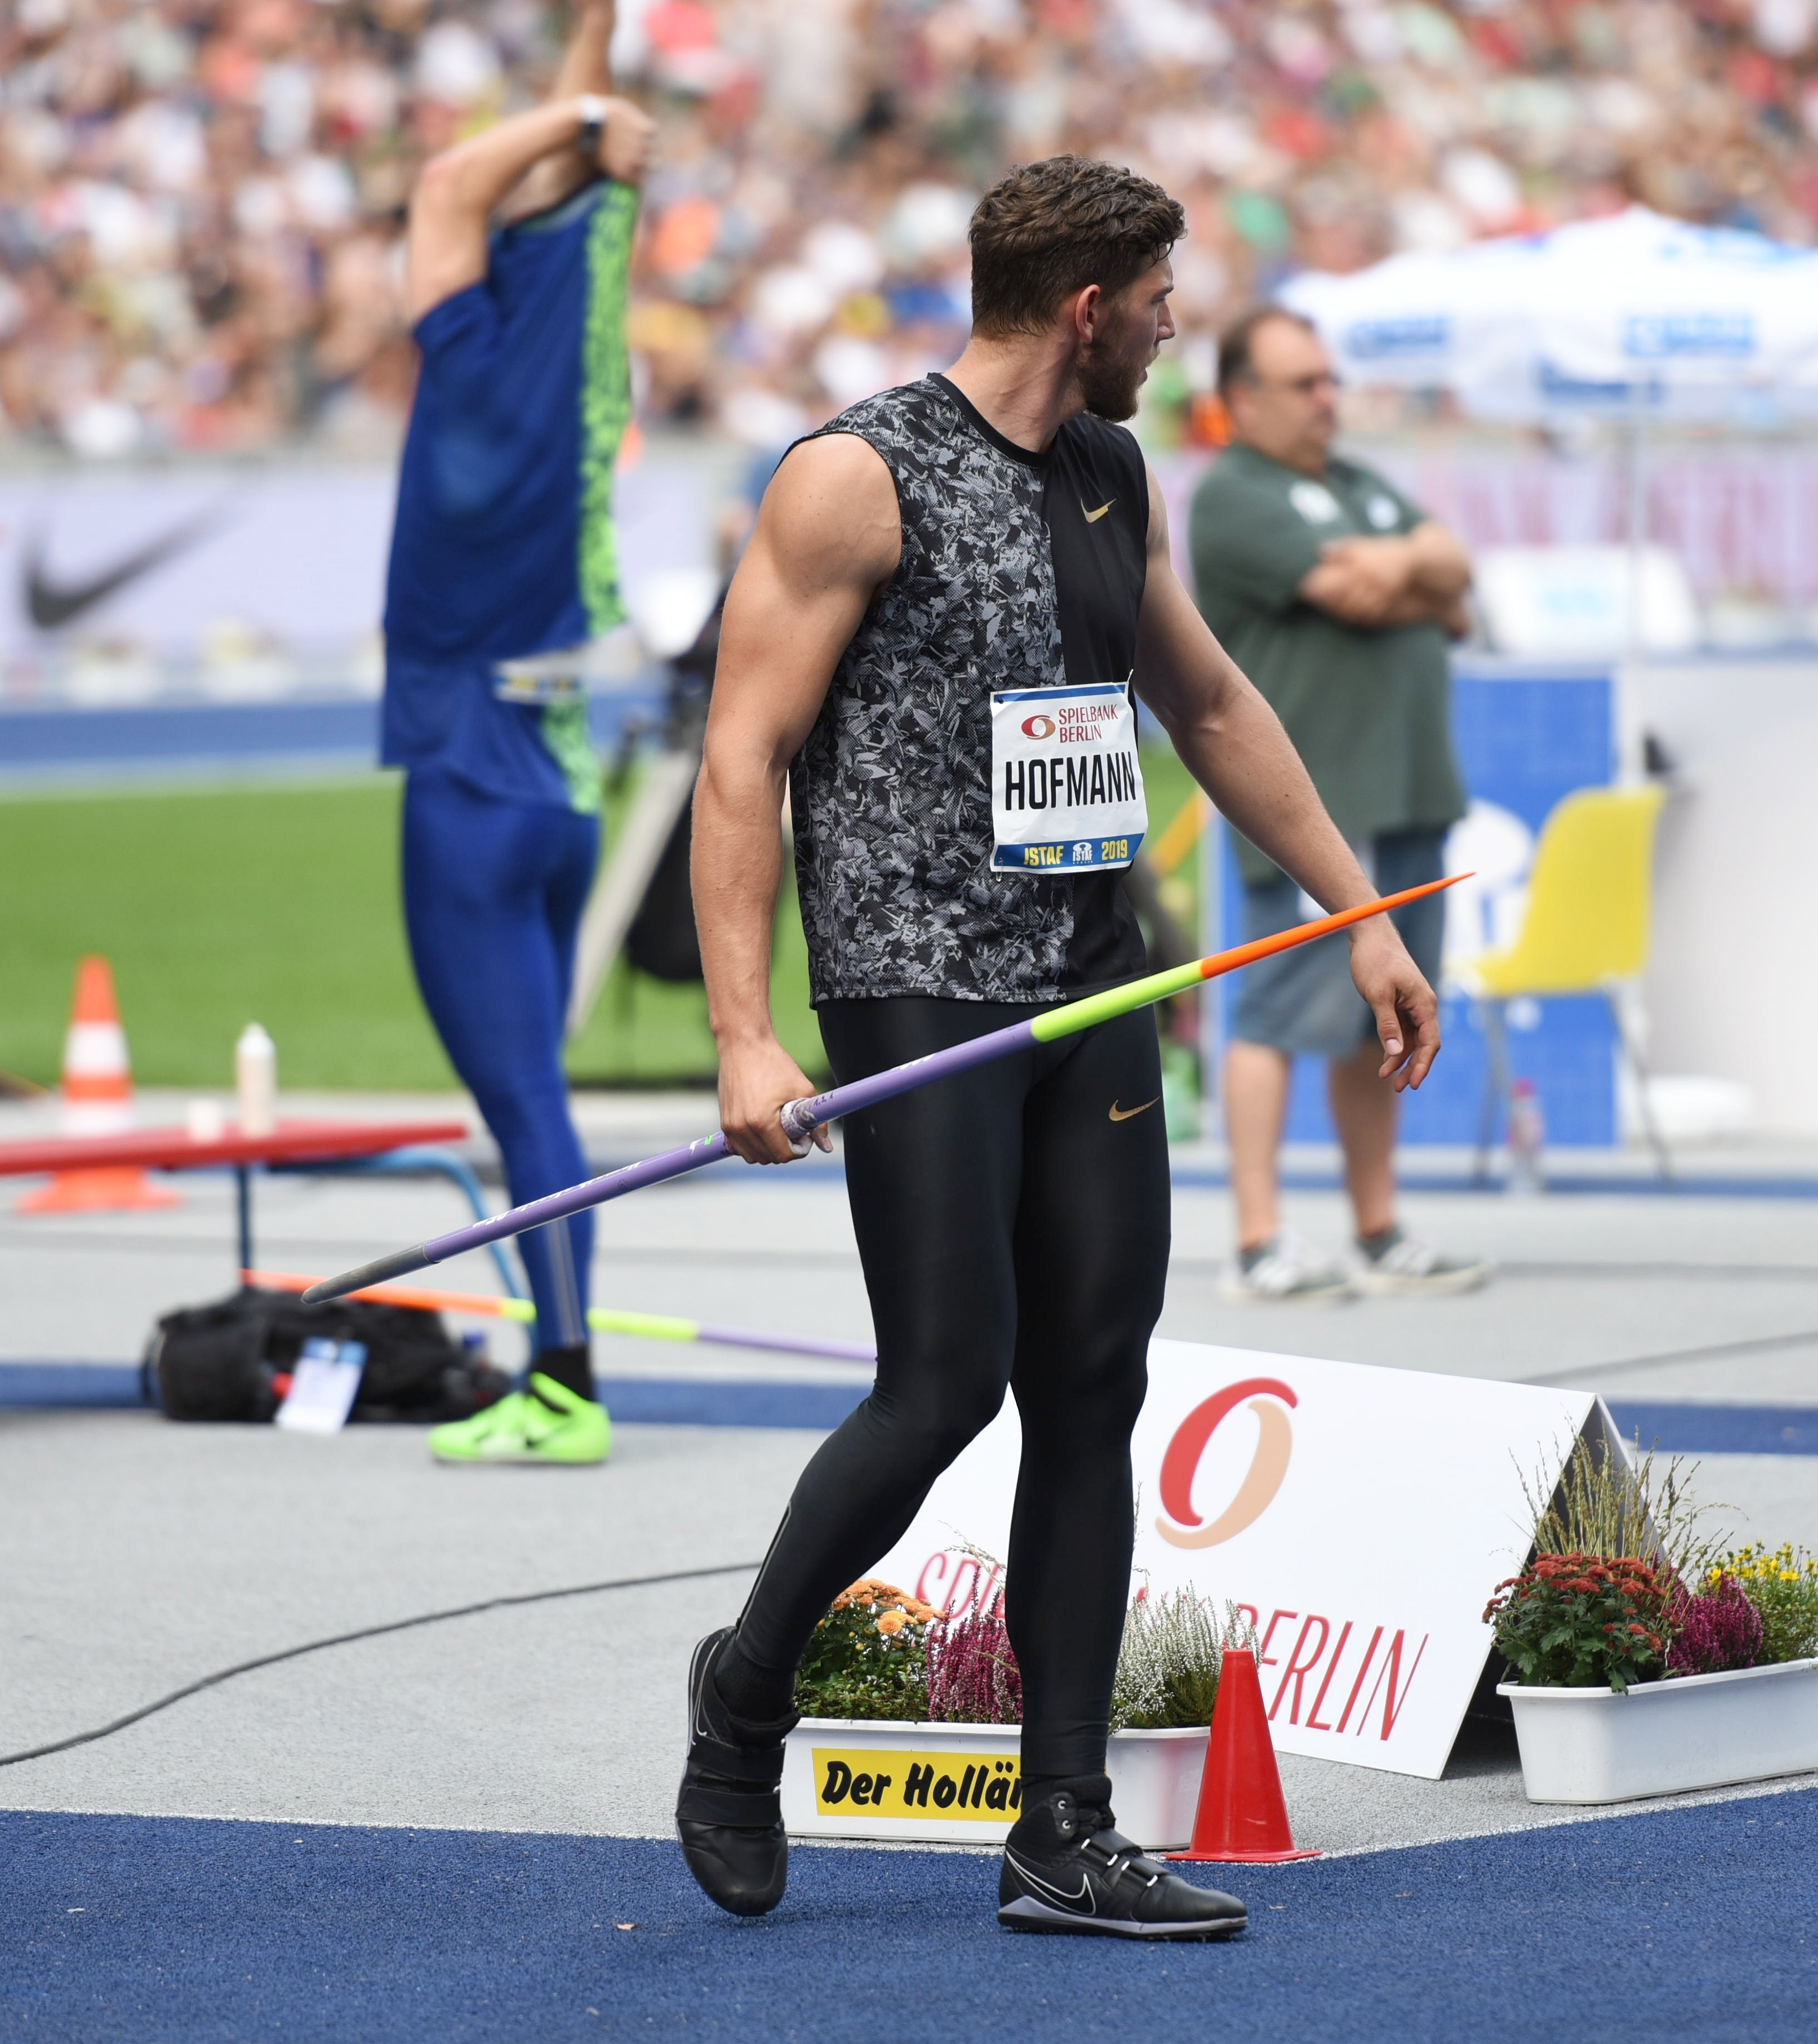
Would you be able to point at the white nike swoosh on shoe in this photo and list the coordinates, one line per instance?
(1048, 1888)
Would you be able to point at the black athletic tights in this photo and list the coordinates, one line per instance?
(1012, 1222)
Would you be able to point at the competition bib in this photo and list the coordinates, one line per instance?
(1066, 788)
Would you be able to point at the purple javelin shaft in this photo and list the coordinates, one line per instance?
(802, 1115)
(836, 1351)
(799, 1118)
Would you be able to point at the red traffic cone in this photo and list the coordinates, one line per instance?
(97, 1100)
(1241, 1814)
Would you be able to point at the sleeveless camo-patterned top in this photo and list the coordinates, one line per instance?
(1018, 570)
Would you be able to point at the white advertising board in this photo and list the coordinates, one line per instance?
(1361, 1517)
(156, 560)
(293, 553)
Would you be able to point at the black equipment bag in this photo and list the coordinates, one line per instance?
(662, 939)
(221, 1361)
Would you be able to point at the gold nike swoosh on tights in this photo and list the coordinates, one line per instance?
(1127, 1113)
(1093, 517)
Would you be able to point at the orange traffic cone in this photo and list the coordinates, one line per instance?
(97, 1100)
(1241, 1814)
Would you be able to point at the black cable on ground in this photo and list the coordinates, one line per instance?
(1756, 1344)
(370, 1632)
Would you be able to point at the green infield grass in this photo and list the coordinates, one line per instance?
(279, 904)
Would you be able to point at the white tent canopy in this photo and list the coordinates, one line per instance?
(1632, 316)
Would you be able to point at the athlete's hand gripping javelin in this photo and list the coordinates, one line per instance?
(828, 537)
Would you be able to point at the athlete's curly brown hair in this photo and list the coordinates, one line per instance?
(1050, 229)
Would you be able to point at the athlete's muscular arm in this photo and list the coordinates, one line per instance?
(827, 537)
(1234, 745)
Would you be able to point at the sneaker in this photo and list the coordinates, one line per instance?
(546, 1423)
(729, 1815)
(1393, 1262)
(1067, 1870)
(1287, 1268)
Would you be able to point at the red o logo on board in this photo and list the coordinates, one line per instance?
(1182, 1526)
(1038, 727)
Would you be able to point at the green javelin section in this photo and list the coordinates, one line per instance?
(1097, 1008)
(655, 1326)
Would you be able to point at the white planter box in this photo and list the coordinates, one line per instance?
(914, 1777)
(1696, 1732)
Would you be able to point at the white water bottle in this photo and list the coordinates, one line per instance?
(1527, 1135)
(255, 1080)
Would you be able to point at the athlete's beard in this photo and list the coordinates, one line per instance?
(1109, 381)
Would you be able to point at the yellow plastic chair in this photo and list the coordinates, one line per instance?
(1587, 930)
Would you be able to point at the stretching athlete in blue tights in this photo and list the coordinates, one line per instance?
(504, 549)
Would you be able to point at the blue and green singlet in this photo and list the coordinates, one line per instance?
(504, 546)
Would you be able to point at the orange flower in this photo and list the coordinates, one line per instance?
(891, 1621)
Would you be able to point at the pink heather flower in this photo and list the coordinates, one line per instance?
(1719, 1631)
(973, 1678)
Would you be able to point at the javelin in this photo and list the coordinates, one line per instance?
(801, 1117)
(604, 1319)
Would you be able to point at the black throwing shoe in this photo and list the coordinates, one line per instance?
(729, 1814)
(1067, 1870)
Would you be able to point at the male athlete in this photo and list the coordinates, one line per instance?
(504, 549)
(933, 636)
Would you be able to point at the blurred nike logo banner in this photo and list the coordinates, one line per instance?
(50, 603)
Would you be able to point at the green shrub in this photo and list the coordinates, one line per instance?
(1168, 1666)
(868, 1657)
(1580, 1622)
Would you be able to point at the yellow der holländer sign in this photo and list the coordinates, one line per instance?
(985, 1787)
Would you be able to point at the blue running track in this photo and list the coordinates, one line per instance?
(1693, 1923)
(1674, 1428)
(334, 732)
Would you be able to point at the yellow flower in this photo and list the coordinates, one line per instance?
(891, 1621)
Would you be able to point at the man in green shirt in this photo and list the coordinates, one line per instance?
(1336, 596)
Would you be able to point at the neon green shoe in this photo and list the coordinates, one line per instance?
(547, 1423)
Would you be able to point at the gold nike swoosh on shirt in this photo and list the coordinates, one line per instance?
(1093, 517)
(1125, 1113)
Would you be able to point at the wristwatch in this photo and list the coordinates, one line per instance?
(593, 110)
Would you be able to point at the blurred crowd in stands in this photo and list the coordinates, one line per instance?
(201, 201)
